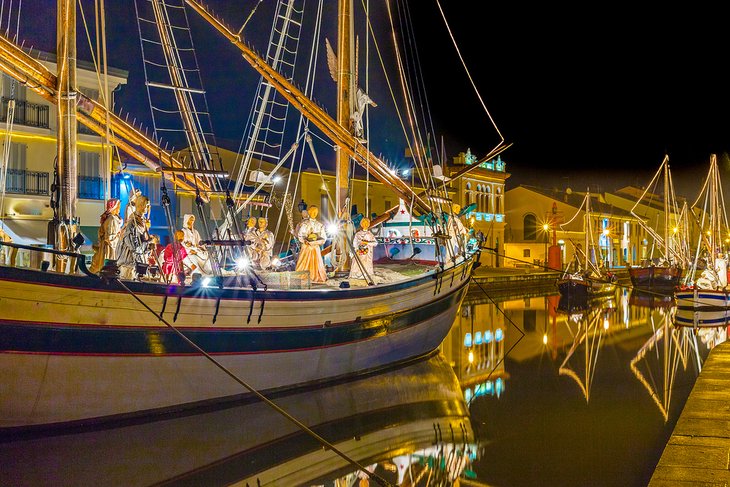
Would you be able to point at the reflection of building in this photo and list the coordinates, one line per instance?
(33, 150)
(537, 216)
(475, 346)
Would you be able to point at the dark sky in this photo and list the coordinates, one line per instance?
(586, 97)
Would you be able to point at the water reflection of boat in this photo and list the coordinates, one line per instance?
(411, 421)
(667, 349)
(573, 305)
(702, 318)
(591, 326)
(652, 300)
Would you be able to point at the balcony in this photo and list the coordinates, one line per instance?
(37, 183)
(28, 114)
(26, 182)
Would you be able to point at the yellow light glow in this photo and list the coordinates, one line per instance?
(675, 229)
(544, 339)
(605, 324)
(606, 231)
(471, 357)
(46, 138)
(546, 227)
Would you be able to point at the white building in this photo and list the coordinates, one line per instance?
(26, 208)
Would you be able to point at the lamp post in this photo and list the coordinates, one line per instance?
(546, 229)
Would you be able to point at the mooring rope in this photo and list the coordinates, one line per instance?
(299, 424)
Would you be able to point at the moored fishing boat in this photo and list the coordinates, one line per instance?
(583, 279)
(666, 273)
(708, 294)
(77, 347)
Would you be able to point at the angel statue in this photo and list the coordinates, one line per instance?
(361, 98)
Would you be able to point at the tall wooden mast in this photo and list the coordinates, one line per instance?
(66, 120)
(345, 91)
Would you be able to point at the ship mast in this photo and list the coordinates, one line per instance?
(345, 90)
(343, 138)
(66, 119)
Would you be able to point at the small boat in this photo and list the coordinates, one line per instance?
(709, 293)
(586, 279)
(666, 273)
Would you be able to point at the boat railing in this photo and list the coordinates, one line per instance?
(44, 258)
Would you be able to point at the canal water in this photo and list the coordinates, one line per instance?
(524, 391)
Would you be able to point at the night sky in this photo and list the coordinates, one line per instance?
(587, 97)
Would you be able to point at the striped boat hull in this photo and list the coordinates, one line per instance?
(78, 349)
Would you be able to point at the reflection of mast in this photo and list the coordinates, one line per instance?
(671, 357)
(591, 334)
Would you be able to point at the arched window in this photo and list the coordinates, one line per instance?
(488, 197)
(529, 224)
(498, 202)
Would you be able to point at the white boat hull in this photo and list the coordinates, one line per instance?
(74, 354)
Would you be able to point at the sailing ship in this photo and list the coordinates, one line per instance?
(708, 294)
(76, 347)
(664, 274)
(582, 278)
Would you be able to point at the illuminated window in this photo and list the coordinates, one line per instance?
(467, 340)
(487, 336)
(478, 338)
(498, 334)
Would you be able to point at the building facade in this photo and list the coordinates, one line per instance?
(31, 145)
(539, 218)
(484, 188)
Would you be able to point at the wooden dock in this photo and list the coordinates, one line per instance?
(698, 452)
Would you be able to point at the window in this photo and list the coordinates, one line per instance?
(17, 156)
(530, 227)
(89, 164)
(525, 252)
(388, 206)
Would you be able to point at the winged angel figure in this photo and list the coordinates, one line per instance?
(361, 98)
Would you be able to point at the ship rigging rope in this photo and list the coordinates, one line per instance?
(10, 12)
(5, 162)
(261, 397)
(392, 93)
(446, 23)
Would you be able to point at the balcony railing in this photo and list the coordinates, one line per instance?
(29, 114)
(19, 181)
(91, 188)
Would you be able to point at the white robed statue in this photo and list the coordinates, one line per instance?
(311, 236)
(197, 258)
(364, 243)
(263, 244)
(457, 231)
(132, 243)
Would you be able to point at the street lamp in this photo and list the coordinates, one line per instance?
(546, 229)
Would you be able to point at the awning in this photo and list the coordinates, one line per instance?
(26, 232)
